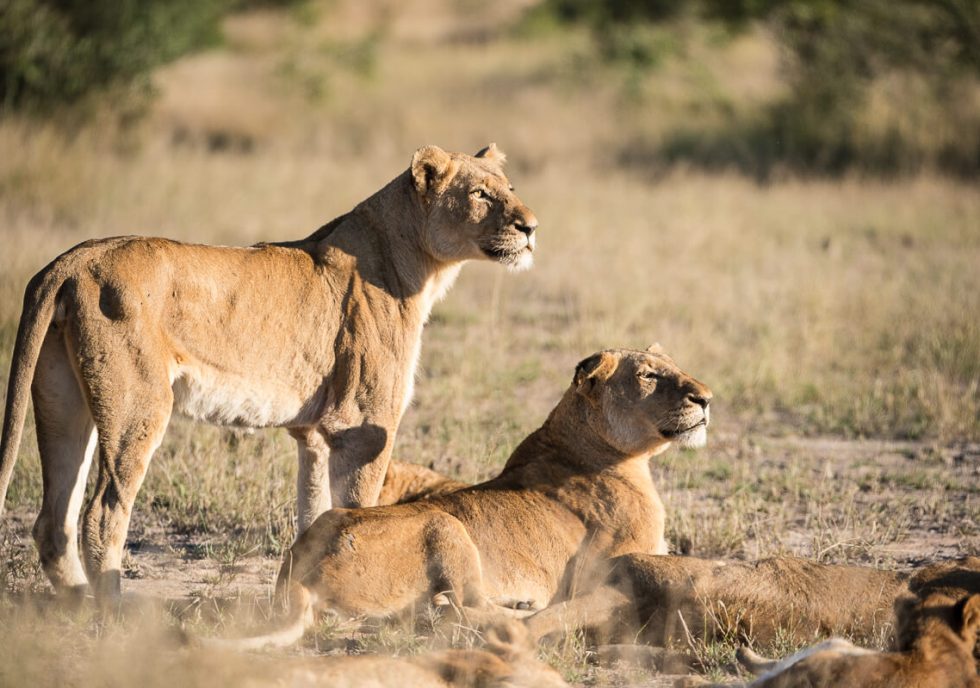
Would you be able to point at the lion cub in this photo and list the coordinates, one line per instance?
(935, 650)
(576, 491)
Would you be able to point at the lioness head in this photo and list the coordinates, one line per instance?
(470, 206)
(640, 401)
(935, 614)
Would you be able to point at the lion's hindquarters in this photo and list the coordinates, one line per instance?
(452, 561)
(381, 561)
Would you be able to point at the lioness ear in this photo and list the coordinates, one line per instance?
(430, 165)
(491, 152)
(971, 618)
(906, 627)
(655, 348)
(593, 369)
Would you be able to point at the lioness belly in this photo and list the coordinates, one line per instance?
(228, 399)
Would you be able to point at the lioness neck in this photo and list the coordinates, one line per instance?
(568, 439)
(383, 234)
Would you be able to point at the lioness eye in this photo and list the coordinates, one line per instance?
(481, 193)
(650, 375)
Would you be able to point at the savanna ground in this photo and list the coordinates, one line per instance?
(835, 319)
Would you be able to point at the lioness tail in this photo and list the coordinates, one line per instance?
(297, 620)
(754, 663)
(39, 305)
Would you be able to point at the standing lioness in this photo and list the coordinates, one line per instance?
(575, 492)
(320, 336)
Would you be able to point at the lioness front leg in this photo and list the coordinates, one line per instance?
(339, 468)
(359, 458)
(597, 609)
(312, 478)
(128, 435)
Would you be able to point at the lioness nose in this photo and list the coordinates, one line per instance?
(526, 226)
(699, 399)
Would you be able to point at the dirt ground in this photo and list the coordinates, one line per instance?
(886, 503)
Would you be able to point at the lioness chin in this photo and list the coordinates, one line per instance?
(320, 336)
(576, 491)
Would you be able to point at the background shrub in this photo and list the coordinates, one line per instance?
(55, 51)
(835, 55)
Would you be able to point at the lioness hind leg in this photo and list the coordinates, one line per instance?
(131, 402)
(124, 458)
(452, 563)
(66, 441)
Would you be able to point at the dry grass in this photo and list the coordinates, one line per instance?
(833, 308)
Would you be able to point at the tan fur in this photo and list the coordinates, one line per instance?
(941, 632)
(407, 482)
(659, 599)
(955, 578)
(577, 490)
(320, 336)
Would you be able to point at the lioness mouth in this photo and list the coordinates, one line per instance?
(500, 253)
(683, 431)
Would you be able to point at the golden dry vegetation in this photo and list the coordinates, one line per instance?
(835, 319)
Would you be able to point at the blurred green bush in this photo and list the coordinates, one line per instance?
(55, 51)
(834, 52)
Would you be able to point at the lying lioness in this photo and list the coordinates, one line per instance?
(577, 490)
(507, 659)
(941, 633)
(658, 599)
(407, 482)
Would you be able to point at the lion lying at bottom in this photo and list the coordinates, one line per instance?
(409, 482)
(507, 660)
(936, 636)
(659, 599)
